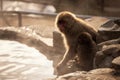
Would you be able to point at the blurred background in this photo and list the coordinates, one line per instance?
(20, 11)
(21, 62)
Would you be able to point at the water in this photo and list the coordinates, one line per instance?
(20, 62)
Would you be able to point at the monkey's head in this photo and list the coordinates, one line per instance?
(65, 20)
(84, 38)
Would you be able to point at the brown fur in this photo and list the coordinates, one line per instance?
(86, 51)
(71, 26)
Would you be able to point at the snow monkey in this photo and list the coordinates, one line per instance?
(86, 51)
(70, 27)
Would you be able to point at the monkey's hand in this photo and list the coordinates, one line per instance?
(61, 69)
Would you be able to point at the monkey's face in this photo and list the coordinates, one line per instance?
(61, 25)
(65, 21)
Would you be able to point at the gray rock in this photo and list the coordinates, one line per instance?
(109, 42)
(104, 57)
(110, 30)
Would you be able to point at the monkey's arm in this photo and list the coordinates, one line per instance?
(69, 55)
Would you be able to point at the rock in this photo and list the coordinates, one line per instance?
(109, 42)
(97, 74)
(111, 25)
(116, 62)
(58, 43)
(102, 71)
(110, 30)
(104, 57)
(73, 76)
(116, 65)
(59, 48)
(112, 50)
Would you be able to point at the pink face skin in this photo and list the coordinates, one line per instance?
(62, 27)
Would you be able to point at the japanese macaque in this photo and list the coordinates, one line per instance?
(86, 51)
(71, 27)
